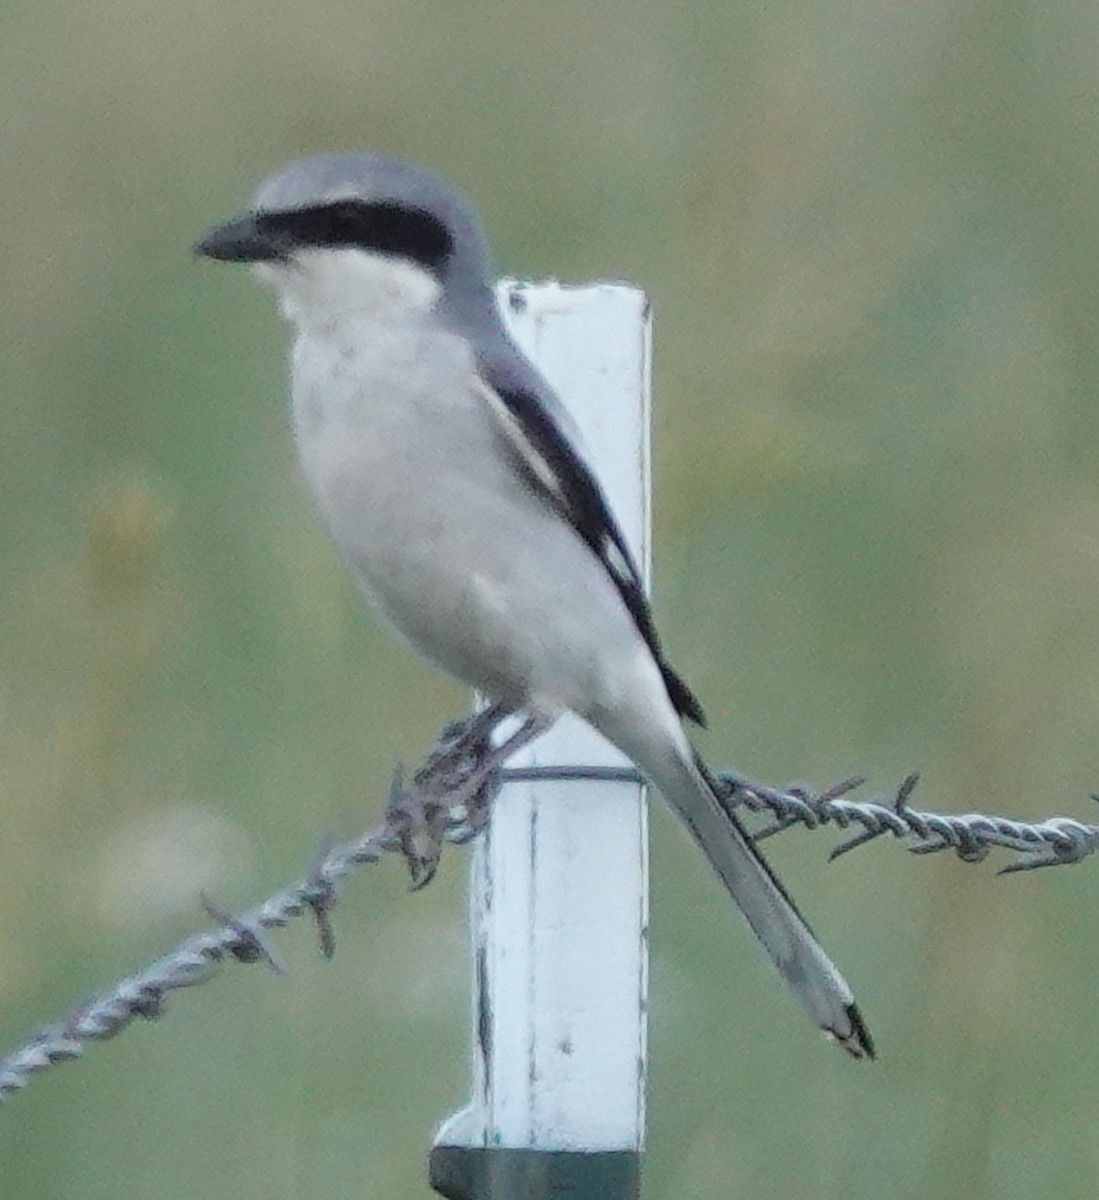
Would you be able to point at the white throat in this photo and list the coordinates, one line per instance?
(320, 289)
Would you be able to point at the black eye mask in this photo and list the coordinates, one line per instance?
(384, 228)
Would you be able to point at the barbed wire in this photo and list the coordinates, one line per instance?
(448, 801)
(1056, 841)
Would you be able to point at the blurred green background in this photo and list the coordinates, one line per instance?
(869, 233)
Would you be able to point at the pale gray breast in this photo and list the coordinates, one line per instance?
(391, 435)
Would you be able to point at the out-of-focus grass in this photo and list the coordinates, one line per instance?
(869, 234)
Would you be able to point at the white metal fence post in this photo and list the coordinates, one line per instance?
(559, 884)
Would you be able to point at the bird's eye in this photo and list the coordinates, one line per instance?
(346, 224)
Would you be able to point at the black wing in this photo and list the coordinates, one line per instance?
(550, 464)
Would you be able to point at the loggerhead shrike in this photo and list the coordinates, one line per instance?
(453, 485)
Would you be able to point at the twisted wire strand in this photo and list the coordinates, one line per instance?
(1053, 842)
(472, 776)
(194, 961)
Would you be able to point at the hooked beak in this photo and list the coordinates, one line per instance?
(240, 240)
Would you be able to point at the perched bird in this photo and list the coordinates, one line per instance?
(454, 487)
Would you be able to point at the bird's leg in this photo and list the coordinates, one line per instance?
(451, 794)
(462, 746)
(485, 782)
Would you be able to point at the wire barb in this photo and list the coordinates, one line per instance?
(249, 947)
(320, 898)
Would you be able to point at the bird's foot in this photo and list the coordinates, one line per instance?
(450, 797)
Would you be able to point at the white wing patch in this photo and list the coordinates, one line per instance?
(616, 561)
(529, 453)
